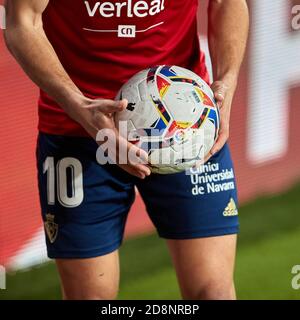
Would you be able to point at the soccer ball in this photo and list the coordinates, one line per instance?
(172, 115)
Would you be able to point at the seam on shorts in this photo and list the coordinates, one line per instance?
(200, 234)
(84, 254)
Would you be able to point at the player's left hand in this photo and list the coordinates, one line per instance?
(223, 92)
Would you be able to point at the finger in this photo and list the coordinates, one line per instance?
(137, 155)
(219, 143)
(141, 168)
(206, 159)
(140, 161)
(132, 171)
(219, 90)
(108, 106)
(220, 95)
(142, 154)
(124, 103)
(199, 163)
(133, 157)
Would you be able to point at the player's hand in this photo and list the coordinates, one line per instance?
(101, 116)
(223, 92)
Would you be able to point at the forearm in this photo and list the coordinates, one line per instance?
(228, 32)
(31, 48)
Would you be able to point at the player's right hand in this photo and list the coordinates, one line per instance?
(98, 115)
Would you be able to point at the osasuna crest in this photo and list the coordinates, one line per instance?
(51, 227)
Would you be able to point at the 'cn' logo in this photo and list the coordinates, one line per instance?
(126, 31)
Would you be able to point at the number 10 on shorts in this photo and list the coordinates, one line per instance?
(58, 176)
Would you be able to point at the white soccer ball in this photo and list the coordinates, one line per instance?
(172, 115)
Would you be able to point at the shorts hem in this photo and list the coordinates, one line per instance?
(84, 254)
(200, 234)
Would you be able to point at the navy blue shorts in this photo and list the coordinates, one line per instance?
(85, 205)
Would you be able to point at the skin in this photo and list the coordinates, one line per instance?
(27, 41)
(228, 25)
(204, 266)
(90, 279)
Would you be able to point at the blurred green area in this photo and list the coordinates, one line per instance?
(269, 246)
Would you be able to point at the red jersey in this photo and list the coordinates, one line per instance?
(102, 44)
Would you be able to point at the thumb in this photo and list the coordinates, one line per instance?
(219, 90)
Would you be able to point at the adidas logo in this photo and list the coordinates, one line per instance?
(231, 209)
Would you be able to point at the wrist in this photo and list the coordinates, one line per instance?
(75, 105)
(230, 79)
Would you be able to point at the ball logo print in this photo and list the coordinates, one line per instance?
(179, 136)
